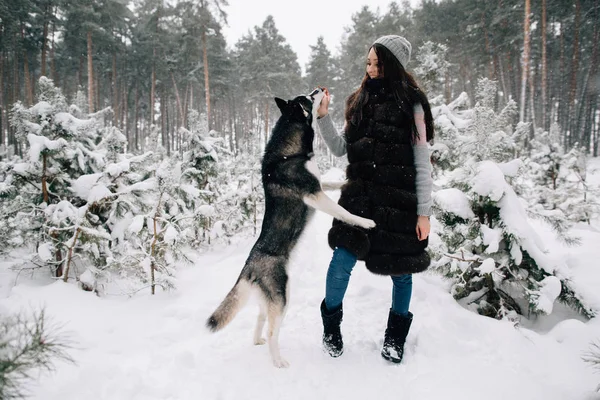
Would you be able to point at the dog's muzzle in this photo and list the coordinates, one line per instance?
(315, 92)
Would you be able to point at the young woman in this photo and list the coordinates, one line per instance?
(388, 125)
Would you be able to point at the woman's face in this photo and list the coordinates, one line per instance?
(372, 65)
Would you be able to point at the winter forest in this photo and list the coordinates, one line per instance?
(131, 137)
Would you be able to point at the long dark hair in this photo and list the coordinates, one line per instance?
(404, 87)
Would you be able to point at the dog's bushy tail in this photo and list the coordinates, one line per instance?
(229, 307)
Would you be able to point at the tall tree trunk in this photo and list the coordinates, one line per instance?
(206, 75)
(125, 115)
(594, 72)
(525, 59)
(595, 127)
(26, 74)
(512, 75)
(178, 98)
(115, 91)
(186, 96)
(167, 122)
(52, 60)
(544, 69)
(584, 112)
(491, 63)
(173, 126)
(90, 73)
(28, 82)
(15, 96)
(266, 121)
(163, 120)
(232, 129)
(163, 137)
(153, 86)
(532, 101)
(44, 44)
(177, 145)
(97, 91)
(562, 100)
(191, 97)
(505, 88)
(574, 69)
(80, 73)
(153, 77)
(135, 118)
(2, 106)
(45, 39)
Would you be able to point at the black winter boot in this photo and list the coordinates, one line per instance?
(395, 336)
(332, 336)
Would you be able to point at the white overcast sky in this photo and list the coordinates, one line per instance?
(300, 21)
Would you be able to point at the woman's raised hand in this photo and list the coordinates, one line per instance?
(324, 107)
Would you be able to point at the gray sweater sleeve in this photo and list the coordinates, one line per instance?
(424, 182)
(335, 142)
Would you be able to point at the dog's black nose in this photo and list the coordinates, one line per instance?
(314, 92)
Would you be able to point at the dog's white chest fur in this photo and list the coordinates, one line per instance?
(313, 168)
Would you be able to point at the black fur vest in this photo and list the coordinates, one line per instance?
(381, 186)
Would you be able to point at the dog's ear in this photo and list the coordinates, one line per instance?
(282, 104)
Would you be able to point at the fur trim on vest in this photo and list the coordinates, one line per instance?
(381, 186)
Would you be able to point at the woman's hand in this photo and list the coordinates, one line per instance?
(423, 227)
(323, 109)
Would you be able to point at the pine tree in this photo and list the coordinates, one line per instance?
(199, 167)
(319, 70)
(28, 343)
(561, 193)
(61, 149)
(592, 357)
(398, 20)
(488, 246)
(353, 54)
(241, 197)
(268, 67)
(432, 66)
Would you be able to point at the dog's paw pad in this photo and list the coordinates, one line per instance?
(260, 341)
(281, 363)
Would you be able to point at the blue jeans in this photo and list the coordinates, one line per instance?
(338, 276)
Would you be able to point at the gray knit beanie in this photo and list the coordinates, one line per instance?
(399, 46)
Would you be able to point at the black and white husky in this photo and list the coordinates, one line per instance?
(292, 190)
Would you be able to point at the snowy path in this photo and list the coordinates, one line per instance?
(157, 347)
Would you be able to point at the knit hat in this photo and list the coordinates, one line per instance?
(399, 46)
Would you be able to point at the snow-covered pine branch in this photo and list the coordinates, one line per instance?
(495, 256)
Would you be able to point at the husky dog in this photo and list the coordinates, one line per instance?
(292, 190)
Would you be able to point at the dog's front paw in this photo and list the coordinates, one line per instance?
(259, 341)
(280, 363)
(365, 223)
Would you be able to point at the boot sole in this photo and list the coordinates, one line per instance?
(391, 359)
(333, 355)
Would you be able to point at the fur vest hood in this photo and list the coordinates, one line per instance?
(381, 186)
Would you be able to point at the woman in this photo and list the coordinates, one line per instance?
(388, 125)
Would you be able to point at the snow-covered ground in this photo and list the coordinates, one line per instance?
(156, 347)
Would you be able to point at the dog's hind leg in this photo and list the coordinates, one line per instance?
(275, 315)
(260, 322)
(276, 294)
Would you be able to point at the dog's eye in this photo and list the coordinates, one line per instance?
(314, 93)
